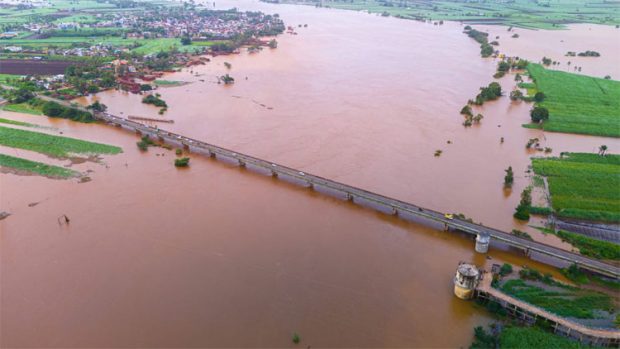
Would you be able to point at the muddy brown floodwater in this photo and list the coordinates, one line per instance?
(215, 255)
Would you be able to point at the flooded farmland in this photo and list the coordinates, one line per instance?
(218, 255)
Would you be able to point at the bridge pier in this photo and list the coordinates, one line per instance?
(274, 174)
(212, 154)
(394, 211)
(185, 146)
(241, 163)
(482, 242)
(350, 197)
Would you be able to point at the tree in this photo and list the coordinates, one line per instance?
(509, 177)
(100, 107)
(602, 149)
(503, 66)
(523, 210)
(52, 109)
(539, 97)
(186, 40)
(539, 114)
(466, 110)
(516, 95)
(21, 95)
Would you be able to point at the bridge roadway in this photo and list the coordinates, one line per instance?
(393, 206)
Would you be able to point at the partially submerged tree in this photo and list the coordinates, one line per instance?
(509, 177)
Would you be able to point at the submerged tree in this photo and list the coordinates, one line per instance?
(509, 177)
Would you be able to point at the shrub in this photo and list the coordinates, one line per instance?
(182, 162)
(505, 269)
(466, 110)
(296, 338)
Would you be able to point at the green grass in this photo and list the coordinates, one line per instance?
(17, 123)
(591, 247)
(51, 145)
(518, 13)
(513, 337)
(150, 46)
(168, 82)
(578, 103)
(34, 167)
(583, 186)
(570, 302)
(23, 108)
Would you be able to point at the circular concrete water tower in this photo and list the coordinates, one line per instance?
(466, 280)
(482, 242)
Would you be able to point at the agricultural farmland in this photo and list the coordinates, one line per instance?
(33, 67)
(583, 186)
(519, 13)
(35, 167)
(55, 146)
(577, 103)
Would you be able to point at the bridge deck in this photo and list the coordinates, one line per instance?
(397, 206)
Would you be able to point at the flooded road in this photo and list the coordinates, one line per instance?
(217, 256)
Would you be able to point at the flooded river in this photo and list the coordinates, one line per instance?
(216, 255)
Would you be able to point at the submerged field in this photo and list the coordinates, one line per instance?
(561, 300)
(51, 145)
(34, 167)
(577, 103)
(583, 186)
(518, 13)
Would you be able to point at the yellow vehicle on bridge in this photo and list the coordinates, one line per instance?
(449, 216)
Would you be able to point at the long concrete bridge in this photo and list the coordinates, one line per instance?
(380, 202)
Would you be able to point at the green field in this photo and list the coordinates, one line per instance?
(22, 108)
(583, 186)
(518, 13)
(34, 167)
(590, 247)
(578, 103)
(567, 301)
(55, 146)
(513, 337)
(17, 123)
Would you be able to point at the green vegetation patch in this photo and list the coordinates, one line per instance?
(34, 167)
(535, 338)
(17, 123)
(518, 13)
(569, 302)
(591, 247)
(578, 103)
(25, 108)
(583, 186)
(51, 145)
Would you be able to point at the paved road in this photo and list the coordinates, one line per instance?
(388, 204)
